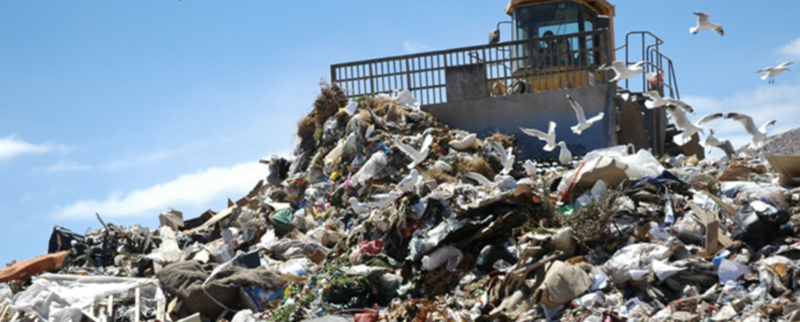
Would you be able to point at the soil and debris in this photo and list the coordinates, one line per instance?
(385, 214)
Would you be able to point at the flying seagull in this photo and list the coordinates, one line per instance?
(714, 142)
(416, 156)
(550, 137)
(623, 72)
(583, 123)
(506, 156)
(682, 123)
(771, 72)
(704, 24)
(655, 100)
(759, 134)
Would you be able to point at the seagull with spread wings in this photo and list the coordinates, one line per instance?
(506, 156)
(682, 123)
(715, 142)
(583, 123)
(704, 24)
(623, 72)
(655, 100)
(758, 133)
(771, 72)
(550, 137)
(417, 156)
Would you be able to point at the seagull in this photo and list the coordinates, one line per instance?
(416, 156)
(466, 143)
(682, 123)
(358, 207)
(530, 168)
(679, 103)
(480, 179)
(385, 199)
(772, 72)
(506, 156)
(714, 142)
(623, 72)
(759, 134)
(565, 156)
(704, 24)
(550, 137)
(655, 100)
(583, 123)
(407, 183)
(441, 165)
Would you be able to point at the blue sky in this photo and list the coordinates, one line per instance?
(127, 108)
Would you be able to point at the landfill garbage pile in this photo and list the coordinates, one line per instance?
(385, 214)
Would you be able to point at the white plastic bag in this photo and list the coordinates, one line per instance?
(618, 151)
(642, 164)
(169, 249)
(375, 164)
(447, 254)
(405, 98)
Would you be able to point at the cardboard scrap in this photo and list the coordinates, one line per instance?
(788, 167)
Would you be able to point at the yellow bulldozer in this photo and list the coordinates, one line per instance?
(556, 49)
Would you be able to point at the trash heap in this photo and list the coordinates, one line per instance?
(385, 214)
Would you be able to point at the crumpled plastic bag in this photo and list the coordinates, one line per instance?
(634, 257)
(689, 230)
(447, 254)
(375, 164)
(406, 99)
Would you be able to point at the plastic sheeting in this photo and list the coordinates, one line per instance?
(64, 298)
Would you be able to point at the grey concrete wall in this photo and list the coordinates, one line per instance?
(506, 114)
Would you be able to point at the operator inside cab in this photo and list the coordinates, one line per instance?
(554, 19)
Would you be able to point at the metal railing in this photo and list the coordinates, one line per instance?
(657, 62)
(571, 61)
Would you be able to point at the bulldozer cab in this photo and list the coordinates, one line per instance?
(563, 53)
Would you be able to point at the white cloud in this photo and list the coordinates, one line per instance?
(195, 189)
(65, 165)
(764, 103)
(414, 46)
(792, 49)
(11, 147)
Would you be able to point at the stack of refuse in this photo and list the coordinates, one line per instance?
(385, 214)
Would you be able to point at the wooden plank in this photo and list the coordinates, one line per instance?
(729, 209)
(219, 216)
(3, 312)
(160, 310)
(712, 242)
(111, 305)
(137, 308)
(714, 236)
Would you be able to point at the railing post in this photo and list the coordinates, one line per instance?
(408, 75)
(371, 81)
(333, 74)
